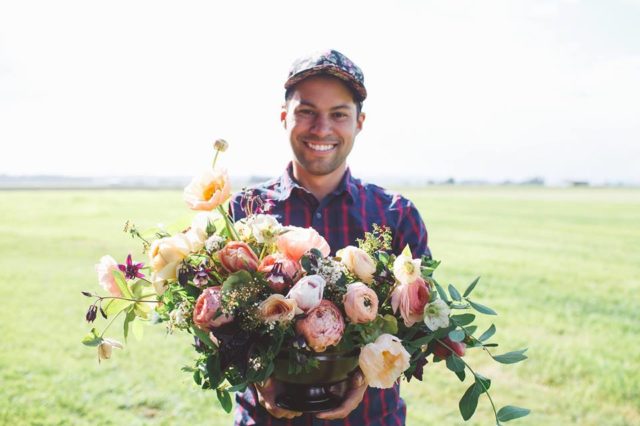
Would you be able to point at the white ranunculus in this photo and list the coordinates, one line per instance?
(436, 315)
(358, 262)
(406, 269)
(265, 228)
(308, 292)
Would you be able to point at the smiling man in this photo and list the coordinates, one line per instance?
(322, 116)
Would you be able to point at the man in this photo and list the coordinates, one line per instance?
(322, 116)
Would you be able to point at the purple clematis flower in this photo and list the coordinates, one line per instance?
(131, 270)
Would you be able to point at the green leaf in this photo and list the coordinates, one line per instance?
(213, 371)
(463, 319)
(225, 399)
(121, 282)
(92, 339)
(483, 383)
(389, 324)
(127, 322)
(487, 334)
(114, 306)
(204, 337)
(407, 251)
(510, 412)
(454, 363)
(441, 292)
(457, 335)
(469, 402)
(236, 280)
(460, 375)
(470, 330)
(455, 295)
(197, 377)
(471, 287)
(511, 357)
(138, 330)
(481, 308)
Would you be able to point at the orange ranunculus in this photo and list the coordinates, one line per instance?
(208, 190)
(237, 255)
(295, 242)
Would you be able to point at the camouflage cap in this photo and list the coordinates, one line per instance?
(330, 62)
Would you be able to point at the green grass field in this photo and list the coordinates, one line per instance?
(561, 267)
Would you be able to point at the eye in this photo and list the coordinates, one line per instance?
(305, 112)
(339, 115)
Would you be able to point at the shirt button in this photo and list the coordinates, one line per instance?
(318, 215)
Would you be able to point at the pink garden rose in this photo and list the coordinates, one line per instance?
(308, 292)
(280, 271)
(360, 303)
(322, 327)
(208, 190)
(205, 312)
(410, 299)
(297, 241)
(237, 255)
(105, 275)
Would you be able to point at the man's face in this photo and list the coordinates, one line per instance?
(322, 122)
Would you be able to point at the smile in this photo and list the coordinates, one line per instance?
(320, 147)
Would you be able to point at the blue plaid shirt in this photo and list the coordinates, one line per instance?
(341, 217)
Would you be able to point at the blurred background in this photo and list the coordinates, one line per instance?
(513, 125)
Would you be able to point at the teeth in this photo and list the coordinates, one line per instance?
(319, 147)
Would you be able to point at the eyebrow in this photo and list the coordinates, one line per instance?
(311, 104)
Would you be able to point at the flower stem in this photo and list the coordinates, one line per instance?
(111, 322)
(230, 229)
(215, 158)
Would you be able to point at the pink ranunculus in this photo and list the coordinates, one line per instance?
(410, 299)
(208, 190)
(443, 352)
(205, 312)
(322, 327)
(295, 242)
(308, 292)
(360, 303)
(280, 271)
(237, 255)
(105, 275)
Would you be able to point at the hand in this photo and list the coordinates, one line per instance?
(353, 397)
(267, 392)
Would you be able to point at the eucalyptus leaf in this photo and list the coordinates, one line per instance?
(469, 402)
(471, 287)
(455, 295)
(457, 335)
(511, 357)
(461, 375)
(225, 399)
(470, 330)
(454, 363)
(441, 292)
(463, 319)
(510, 412)
(482, 383)
(487, 334)
(481, 308)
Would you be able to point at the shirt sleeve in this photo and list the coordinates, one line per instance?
(236, 206)
(411, 230)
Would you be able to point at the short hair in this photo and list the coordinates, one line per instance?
(289, 93)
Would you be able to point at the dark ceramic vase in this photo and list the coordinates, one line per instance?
(320, 389)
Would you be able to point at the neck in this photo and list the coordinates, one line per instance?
(319, 185)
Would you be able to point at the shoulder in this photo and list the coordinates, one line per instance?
(389, 200)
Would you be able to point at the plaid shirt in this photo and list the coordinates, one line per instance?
(341, 217)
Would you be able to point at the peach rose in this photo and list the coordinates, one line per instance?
(358, 262)
(205, 312)
(322, 327)
(360, 303)
(280, 271)
(208, 190)
(295, 242)
(383, 361)
(237, 255)
(105, 275)
(410, 299)
(308, 292)
(276, 308)
(165, 255)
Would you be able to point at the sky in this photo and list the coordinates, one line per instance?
(491, 90)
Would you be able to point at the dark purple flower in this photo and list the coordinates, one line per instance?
(91, 313)
(131, 270)
(201, 277)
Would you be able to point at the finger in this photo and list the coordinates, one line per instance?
(350, 403)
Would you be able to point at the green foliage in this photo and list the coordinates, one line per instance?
(511, 357)
(511, 412)
(92, 339)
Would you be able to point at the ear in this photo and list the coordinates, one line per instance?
(283, 115)
(360, 121)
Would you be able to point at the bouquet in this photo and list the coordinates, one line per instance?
(266, 300)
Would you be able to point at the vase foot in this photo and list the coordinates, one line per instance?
(310, 399)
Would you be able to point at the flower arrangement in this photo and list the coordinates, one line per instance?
(253, 290)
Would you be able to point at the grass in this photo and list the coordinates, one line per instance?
(561, 267)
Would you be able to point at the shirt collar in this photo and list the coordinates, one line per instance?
(287, 183)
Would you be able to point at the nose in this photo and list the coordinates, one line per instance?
(321, 126)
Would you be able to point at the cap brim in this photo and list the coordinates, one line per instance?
(357, 87)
